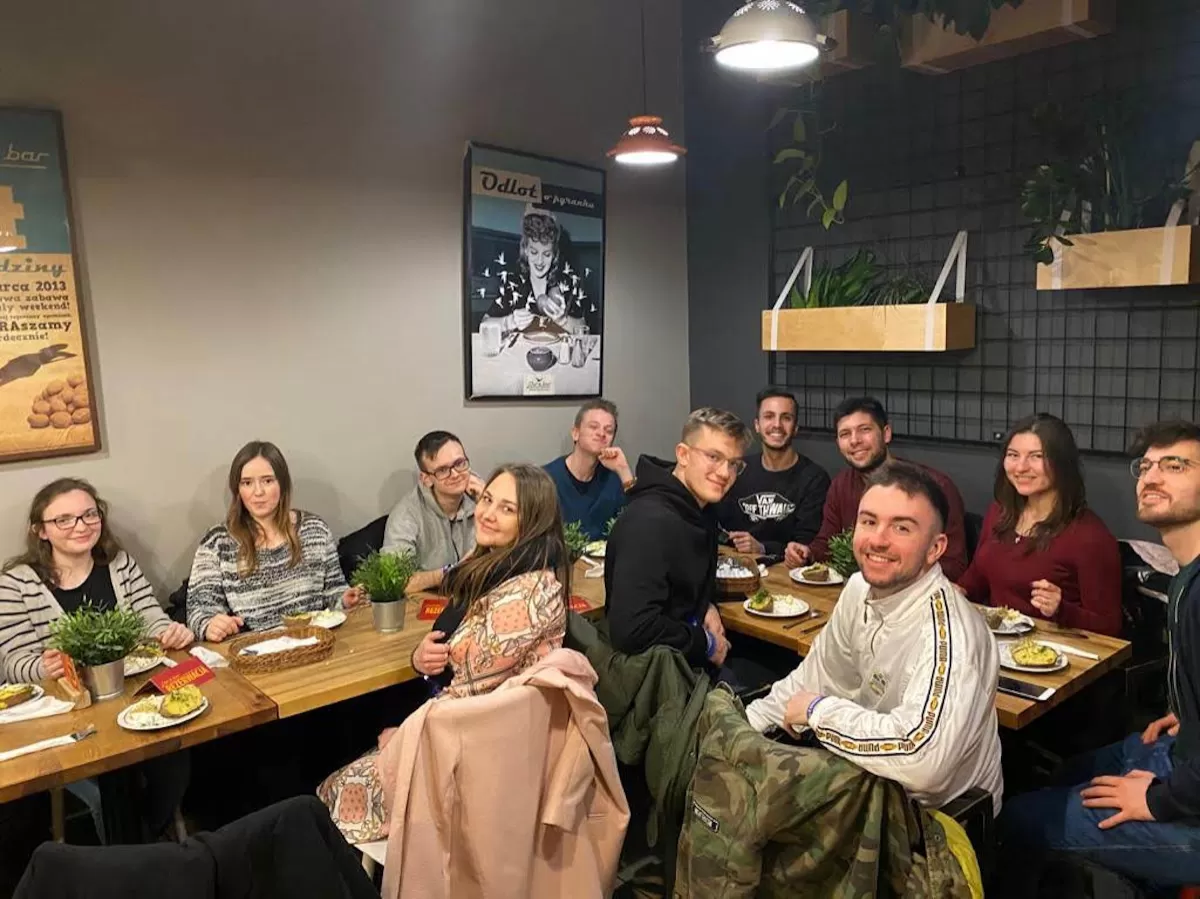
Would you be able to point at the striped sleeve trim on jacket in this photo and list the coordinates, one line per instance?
(935, 697)
(136, 591)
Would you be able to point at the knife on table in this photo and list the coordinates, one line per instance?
(65, 740)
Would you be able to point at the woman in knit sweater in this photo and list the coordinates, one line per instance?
(267, 560)
(71, 559)
(1041, 550)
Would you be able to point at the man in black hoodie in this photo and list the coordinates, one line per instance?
(661, 561)
(1134, 806)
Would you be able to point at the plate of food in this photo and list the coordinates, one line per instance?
(326, 618)
(1031, 656)
(596, 549)
(143, 658)
(816, 575)
(1007, 622)
(159, 712)
(775, 605)
(13, 695)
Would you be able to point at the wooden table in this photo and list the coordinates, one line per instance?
(234, 705)
(1013, 712)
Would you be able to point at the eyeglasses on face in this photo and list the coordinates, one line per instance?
(67, 522)
(716, 460)
(458, 466)
(1139, 468)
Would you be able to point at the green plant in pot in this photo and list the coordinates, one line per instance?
(575, 539)
(384, 577)
(841, 553)
(98, 641)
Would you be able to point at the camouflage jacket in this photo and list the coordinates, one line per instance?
(770, 820)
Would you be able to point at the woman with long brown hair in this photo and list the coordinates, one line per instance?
(506, 610)
(267, 560)
(1041, 550)
(71, 559)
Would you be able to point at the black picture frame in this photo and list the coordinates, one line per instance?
(508, 193)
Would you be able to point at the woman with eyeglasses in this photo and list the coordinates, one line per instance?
(267, 560)
(71, 559)
(1041, 550)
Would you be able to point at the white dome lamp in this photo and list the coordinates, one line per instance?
(768, 36)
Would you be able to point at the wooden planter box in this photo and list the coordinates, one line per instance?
(1034, 25)
(872, 328)
(855, 37)
(1147, 257)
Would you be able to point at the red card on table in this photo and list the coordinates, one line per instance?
(430, 609)
(579, 605)
(190, 672)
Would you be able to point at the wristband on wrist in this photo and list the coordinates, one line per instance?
(711, 643)
(629, 485)
(812, 707)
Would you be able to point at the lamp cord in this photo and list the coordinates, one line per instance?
(645, 105)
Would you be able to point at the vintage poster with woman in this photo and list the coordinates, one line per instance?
(47, 405)
(533, 313)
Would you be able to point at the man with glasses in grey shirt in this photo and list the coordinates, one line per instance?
(436, 521)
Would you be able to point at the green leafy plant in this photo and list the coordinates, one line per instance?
(1087, 182)
(92, 637)
(964, 16)
(841, 553)
(385, 575)
(802, 158)
(860, 281)
(575, 539)
(608, 525)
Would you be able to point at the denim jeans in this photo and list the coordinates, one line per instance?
(1158, 854)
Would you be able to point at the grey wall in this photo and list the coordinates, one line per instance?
(908, 131)
(269, 205)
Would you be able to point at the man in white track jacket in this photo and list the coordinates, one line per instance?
(902, 680)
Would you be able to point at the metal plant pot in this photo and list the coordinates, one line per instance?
(389, 616)
(105, 681)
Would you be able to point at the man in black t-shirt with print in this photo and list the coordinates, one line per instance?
(779, 498)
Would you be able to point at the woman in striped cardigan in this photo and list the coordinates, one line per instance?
(71, 559)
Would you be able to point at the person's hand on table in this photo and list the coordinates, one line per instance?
(1126, 794)
(176, 636)
(354, 596)
(1046, 597)
(222, 627)
(431, 656)
(744, 543)
(796, 554)
(52, 664)
(522, 318)
(1155, 729)
(795, 715)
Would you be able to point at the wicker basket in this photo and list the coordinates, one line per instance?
(278, 661)
(741, 586)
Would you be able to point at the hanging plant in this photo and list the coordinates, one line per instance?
(860, 281)
(963, 16)
(802, 157)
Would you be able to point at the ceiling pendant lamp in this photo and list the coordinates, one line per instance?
(645, 141)
(768, 36)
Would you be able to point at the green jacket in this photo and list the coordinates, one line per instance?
(653, 701)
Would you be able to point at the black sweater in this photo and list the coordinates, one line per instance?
(776, 507)
(1179, 796)
(660, 566)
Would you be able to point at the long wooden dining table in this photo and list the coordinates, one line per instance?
(1013, 712)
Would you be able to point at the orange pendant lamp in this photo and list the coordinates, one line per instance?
(645, 141)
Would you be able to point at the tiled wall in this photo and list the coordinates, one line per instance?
(927, 155)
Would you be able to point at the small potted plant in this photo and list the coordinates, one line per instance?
(99, 641)
(575, 539)
(841, 553)
(384, 576)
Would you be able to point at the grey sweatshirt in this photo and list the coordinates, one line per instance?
(419, 525)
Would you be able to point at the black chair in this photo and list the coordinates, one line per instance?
(1144, 613)
(973, 530)
(177, 604)
(353, 548)
(974, 811)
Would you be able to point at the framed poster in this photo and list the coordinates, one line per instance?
(533, 276)
(47, 405)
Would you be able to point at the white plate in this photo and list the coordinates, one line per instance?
(785, 607)
(1006, 661)
(596, 549)
(141, 664)
(329, 619)
(38, 693)
(834, 578)
(1023, 625)
(153, 720)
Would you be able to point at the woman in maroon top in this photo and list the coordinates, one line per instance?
(1041, 551)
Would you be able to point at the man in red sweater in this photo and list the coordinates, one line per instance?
(863, 436)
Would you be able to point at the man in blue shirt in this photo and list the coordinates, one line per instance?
(592, 479)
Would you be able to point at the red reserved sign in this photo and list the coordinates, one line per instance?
(579, 605)
(430, 609)
(192, 671)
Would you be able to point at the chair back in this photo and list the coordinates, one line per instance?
(355, 547)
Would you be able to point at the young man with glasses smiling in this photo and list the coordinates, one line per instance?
(661, 562)
(1134, 806)
(436, 521)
